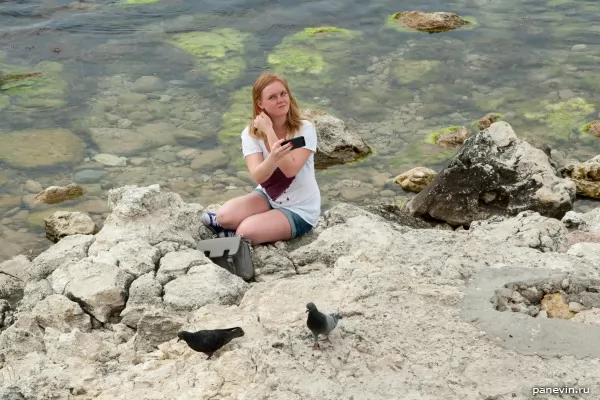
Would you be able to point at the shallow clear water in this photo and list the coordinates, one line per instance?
(520, 57)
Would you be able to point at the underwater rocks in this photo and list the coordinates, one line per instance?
(592, 128)
(428, 22)
(41, 87)
(562, 118)
(308, 59)
(41, 148)
(449, 138)
(58, 194)
(219, 52)
(494, 173)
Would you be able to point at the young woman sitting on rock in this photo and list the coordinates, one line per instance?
(287, 201)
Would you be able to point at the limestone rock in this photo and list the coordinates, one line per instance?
(586, 176)
(100, 288)
(413, 302)
(70, 249)
(148, 214)
(415, 179)
(145, 293)
(16, 267)
(41, 148)
(124, 142)
(204, 284)
(487, 120)
(396, 215)
(527, 229)
(556, 307)
(494, 173)
(452, 137)
(178, 263)
(588, 222)
(336, 143)
(430, 22)
(58, 194)
(60, 313)
(156, 327)
(67, 223)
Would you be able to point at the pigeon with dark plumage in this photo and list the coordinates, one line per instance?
(209, 341)
(320, 323)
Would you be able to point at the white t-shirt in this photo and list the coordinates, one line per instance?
(299, 194)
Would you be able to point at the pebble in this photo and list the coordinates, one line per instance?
(124, 124)
(110, 160)
(165, 156)
(579, 47)
(89, 175)
(33, 186)
(138, 161)
(576, 307)
(178, 83)
(147, 84)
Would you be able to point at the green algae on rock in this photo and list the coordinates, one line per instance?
(311, 55)
(451, 137)
(41, 148)
(407, 71)
(422, 153)
(218, 52)
(236, 118)
(435, 22)
(592, 128)
(486, 121)
(562, 118)
(44, 88)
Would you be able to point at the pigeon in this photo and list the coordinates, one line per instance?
(320, 323)
(209, 341)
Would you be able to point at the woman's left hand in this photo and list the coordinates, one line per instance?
(262, 122)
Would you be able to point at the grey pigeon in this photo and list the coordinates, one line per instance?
(320, 323)
(209, 341)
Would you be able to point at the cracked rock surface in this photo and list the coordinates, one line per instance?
(419, 321)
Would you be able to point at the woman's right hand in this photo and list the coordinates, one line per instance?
(278, 152)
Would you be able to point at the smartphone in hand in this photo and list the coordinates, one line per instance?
(296, 142)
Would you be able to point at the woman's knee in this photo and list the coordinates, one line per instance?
(226, 216)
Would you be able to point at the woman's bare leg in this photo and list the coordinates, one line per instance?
(234, 211)
(266, 227)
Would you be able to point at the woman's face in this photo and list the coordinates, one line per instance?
(275, 100)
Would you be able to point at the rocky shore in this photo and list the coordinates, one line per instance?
(484, 307)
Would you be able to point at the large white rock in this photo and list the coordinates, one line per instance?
(401, 292)
(146, 213)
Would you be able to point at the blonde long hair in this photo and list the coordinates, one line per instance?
(293, 122)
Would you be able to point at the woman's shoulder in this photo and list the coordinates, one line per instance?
(307, 124)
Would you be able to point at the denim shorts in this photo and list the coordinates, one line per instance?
(299, 225)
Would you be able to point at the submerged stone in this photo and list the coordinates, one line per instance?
(407, 71)
(310, 56)
(218, 52)
(42, 88)
(564, 117)
(592, 128)
(41, 148)
(427, 22)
